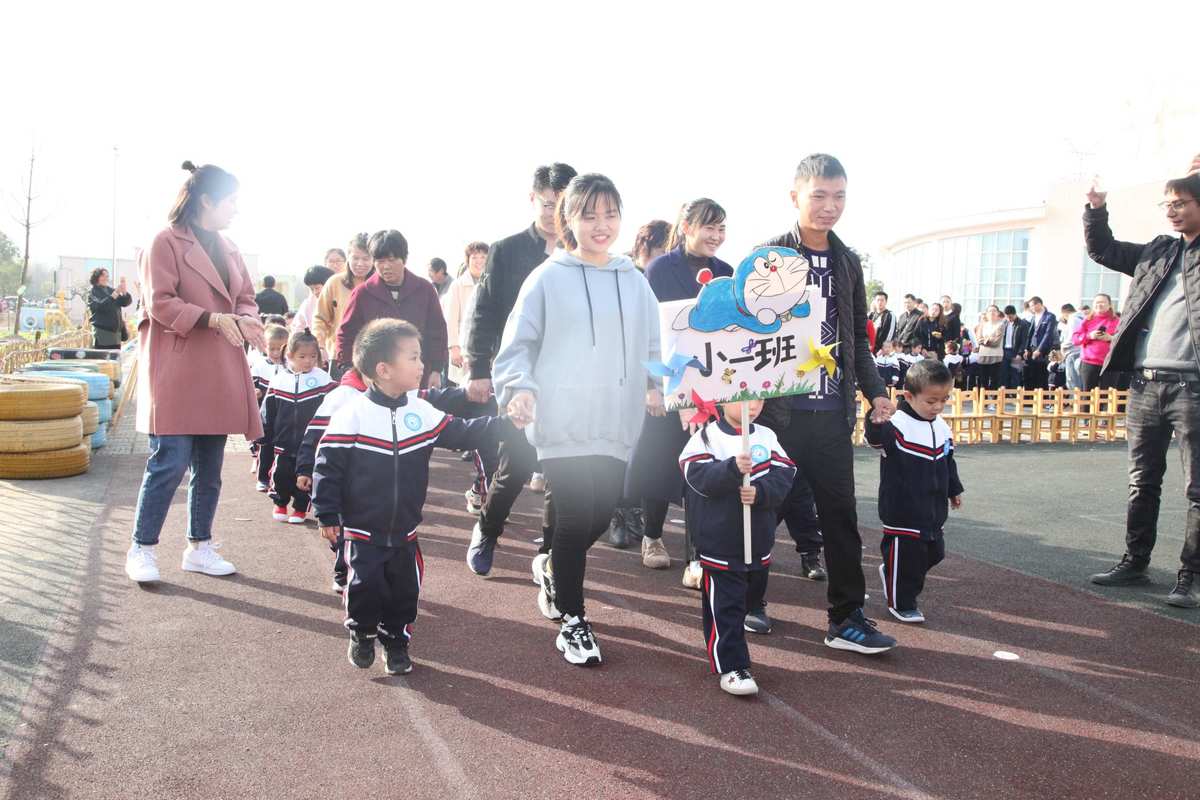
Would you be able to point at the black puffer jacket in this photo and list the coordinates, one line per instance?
(1149, 265)
(105, 305)
(854, 353)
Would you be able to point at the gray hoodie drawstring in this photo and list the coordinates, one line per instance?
(620, 310)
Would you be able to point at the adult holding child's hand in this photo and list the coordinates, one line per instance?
(194, 386)
(584, 324)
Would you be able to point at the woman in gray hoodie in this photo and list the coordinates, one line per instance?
(572, 359)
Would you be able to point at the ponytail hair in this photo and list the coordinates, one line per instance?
(578, 198)
(208, 180)
(302, 339)
(699, 212)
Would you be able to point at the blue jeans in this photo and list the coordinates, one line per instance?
(170, 457)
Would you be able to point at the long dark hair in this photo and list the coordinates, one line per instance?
(208, 180)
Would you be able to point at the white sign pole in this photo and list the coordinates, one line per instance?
(746, 481)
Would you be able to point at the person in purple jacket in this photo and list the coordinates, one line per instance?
(653, 479)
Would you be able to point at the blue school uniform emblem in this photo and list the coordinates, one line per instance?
(412, 422)
(759, 454)
(311, 381)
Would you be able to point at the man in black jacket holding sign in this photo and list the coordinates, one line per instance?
(509, 263)
(815, 429)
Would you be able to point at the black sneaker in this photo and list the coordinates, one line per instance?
(810, 566)
(395, 658)
(361, 651)
(635, 524)
(757, 621)
(617, 534)
(859, 634)
(1185, 594)
(1128, 572)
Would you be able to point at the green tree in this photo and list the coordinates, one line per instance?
(10, 265)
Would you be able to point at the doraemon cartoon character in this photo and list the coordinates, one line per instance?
(770, 284)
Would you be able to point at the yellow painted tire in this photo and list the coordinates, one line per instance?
(35, 436)
(40, 398)
(46, 464)
(91, 418)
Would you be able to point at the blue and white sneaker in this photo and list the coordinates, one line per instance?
(859, 634)
(480, 552)
(912, 615)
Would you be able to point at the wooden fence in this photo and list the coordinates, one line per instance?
(992, 416)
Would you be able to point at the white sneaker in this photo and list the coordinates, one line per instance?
(577, 643)
(474, 501)
(537, 482)
(297, 518)
(539, 563)
(203, 557)
(739, 682)
(654, 554)
(141, 563)
(543, 576)
(693, 574)
(261, 487)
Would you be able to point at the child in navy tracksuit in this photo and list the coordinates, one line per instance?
(264, 367)
(370, 480)
(451, 401)
(713, 463)
(917, 476)
(293, 397)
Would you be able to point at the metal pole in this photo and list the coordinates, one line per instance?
(113, 279)
(25, 262)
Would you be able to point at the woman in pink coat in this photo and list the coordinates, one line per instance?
(194, 386)
(1094, 338)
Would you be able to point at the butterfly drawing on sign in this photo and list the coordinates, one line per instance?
(727, 375)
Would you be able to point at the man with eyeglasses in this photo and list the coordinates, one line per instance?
(509, 263)
(1159, 339)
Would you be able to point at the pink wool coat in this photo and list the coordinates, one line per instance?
(190, 379)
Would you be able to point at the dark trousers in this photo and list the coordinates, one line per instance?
(800, 513)
(1010, 375)
(1156, 410)
(516, 461)
(725, 597)
(905, 562)
(283, 483)
(340, 568)
(586, 490)
(381, 595)
(1090, 377)
(991, 375)
(265, 456)
(819, 443)
(1037, 374)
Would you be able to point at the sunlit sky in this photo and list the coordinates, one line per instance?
(430, 118)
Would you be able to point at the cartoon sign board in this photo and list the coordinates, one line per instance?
(753, 336)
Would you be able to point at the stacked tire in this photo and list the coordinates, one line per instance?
(42, 421)
(98, 386)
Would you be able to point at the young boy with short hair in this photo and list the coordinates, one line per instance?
(917, 477)
(370, 480)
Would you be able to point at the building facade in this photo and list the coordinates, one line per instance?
(1006, 257)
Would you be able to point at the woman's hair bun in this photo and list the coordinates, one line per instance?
(307, 332)
(189, 166)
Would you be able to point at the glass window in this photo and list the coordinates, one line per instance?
(1021, 240)
(1097, 279)
(1004, 241)
(989, 242)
